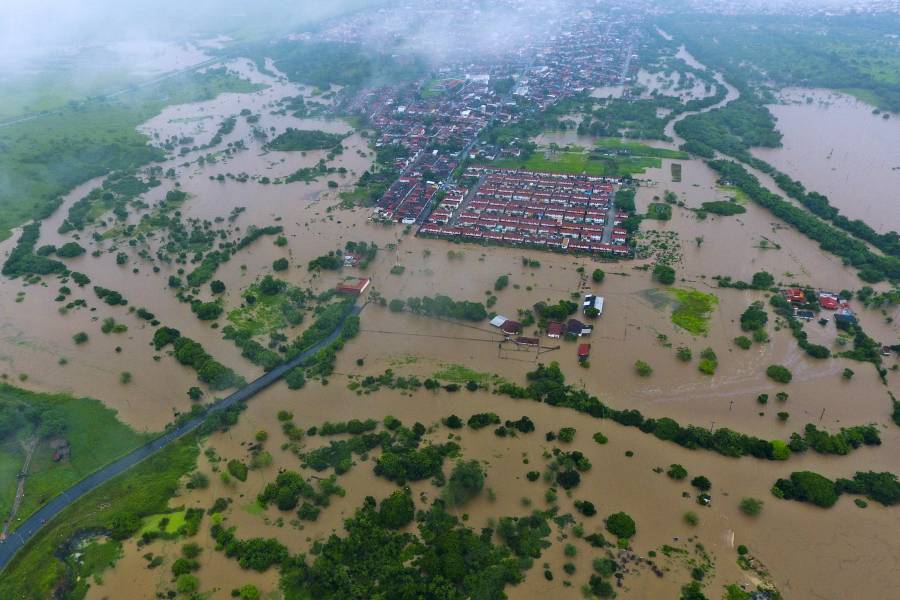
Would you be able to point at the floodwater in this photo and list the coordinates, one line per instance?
(836, 146)
(807, 550)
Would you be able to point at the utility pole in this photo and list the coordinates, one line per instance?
(822, 415)
(730, 405)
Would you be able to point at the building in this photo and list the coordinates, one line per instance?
(555, 330)
(796, 295)
(592, 301)
(353, 287)
(577, 328)
(511, 327)
(527, 341)
(584, 352)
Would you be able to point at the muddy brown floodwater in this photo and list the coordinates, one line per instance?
(843, 552)
(836, 146)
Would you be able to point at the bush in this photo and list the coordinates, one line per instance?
(217, 287)
(743, 342)
(396, 305)
(237, 469)
(600, 438)
(621, 525)
(501, 283)
(466, 481)
(683, 353)
(280, 264)
(453, 422)
(642, 368)
(779, 373)
(751, 506)
(566, 435)
(806, 486)
(80, 337)
(701, 483)
(677, 472)
(664, 274)
(691, 518)
(585, 507)
(598, 275)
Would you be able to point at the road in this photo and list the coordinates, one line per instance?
(36, 521)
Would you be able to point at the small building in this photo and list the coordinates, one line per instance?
(584, 352)
(555, 329)
(577, 328)
(498, 321)
(828, 302)
(592, 301)
(796, 295)
(353, 287)
(510, 327)
(806, 315)
(527, 341)
(844, 319)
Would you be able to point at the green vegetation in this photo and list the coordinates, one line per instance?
(547, 384)
(723, 207)
(693, 310)
(444, 306)
(779, 373)
(52, 418)
(872, 267)
(190, 353)
(642, 368)
(144, 490)
(303, 140)
(751, 506)
(466, 481)
(621, 525)
(664, 274)
(659, 211)
(589, 162)
(46, 157)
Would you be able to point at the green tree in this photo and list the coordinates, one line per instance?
(664, 274)
(397, 510)
(466, 481)
(751, 506)
(621, 525)
(598, 275)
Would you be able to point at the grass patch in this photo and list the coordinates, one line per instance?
(151, 523)
(575, 162)
(254, 508)
(615, 145)
(693, 310)
(145, 490)
(96, 557)
(11, 458)
(83, 419)
(463, 374)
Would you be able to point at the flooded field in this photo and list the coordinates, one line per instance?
(806, 550)
(836, 145)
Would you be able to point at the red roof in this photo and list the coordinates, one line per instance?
(584, 350)
(353, 286)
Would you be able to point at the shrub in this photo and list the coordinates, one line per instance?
(80, 337)
(847, 374)
(751, 506)
(664, 274)
(621, 525)
(567, 435)
(691, 518)
(237, 469)
(677, 472)
(642, 368)
(743, 342)
(598, 275)
(396, 305)
(701, 483)
(217, 287)
(466, 481)
(585, 507)
(501, 283)
(600, 438)
(280, 264)
(683, 353)
(779, 373)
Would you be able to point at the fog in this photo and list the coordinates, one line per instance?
(36, 29)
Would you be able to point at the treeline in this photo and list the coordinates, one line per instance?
(442, 306)
(23, 261)
(211, 260)
(807, 486)
(818, 204)
(547, 384)
(304, 139)
(732, 129)
(872, 267)
(114, 193)
(190, 353)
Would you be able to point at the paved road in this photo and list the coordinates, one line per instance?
(36, 521)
